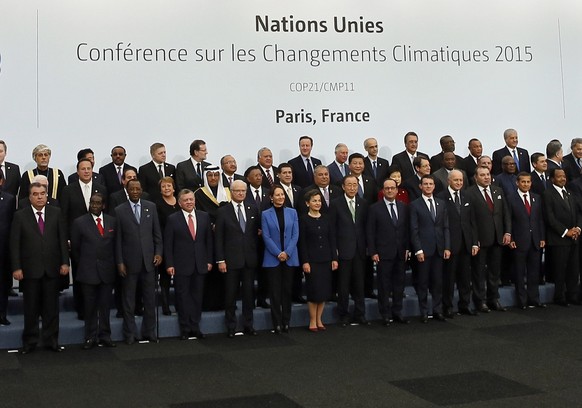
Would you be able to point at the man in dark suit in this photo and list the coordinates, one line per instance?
(404, 159)
(304, 164)
(349, 215)
(7, 208)
(236, 247)
(457, 269)
(338, 168)
(10, 172)
(39, 256)
(188, 246)
(554, 154)
(367, 188)
(431, 243)
(493, 223)
(527, 241)
(138, 253)
(562, 233)
(229, 168)
(375, 167)
(447, 145)
(93, 252)
(122, 196)
(574, 159)
(292, 191)
(150, 173)
(388, 240)
(257, 194)
(265, 164)
(470, 162)
(56, 179)
(449, 164)
(539, 175)
(412, 184)
(86, 153)
(190, 171)
(521, 156)
(75, 203)
(113, 172)
(321, 182)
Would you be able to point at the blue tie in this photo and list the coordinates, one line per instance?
(516, 159)
(137, 212)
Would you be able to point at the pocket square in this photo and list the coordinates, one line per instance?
(499, 197)
(466, 204)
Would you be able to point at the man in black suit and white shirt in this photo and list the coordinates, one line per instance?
(574, 159)
(188, 246)
(39, 256)
(190, 171)
(321, 182)
(113, 172)
(265, 164)
(470, 162)
(304, 164)
(229, 168)
(150, 173)
(7, 208)
(236, 244)
(375, 167)
(86, 153)
(447, 145)
(93, 251)
(404, 159)
(521, 156)
(539, 175)
(138, 253)
(10, 172)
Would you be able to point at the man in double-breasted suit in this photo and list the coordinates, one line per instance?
(527, 240)
(349, 213)
(431, 243)
(457, 269)
(39, 256)
(493, 223)
(93, 252)
(138, 253)
(562, 234)
(236, 246)
(188, 246)
(388, 241)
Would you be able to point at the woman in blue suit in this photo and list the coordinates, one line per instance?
(280, 227)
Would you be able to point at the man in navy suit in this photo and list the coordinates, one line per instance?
(190, 171)
(431, 243)
(86, 153)
(338, 169)
(237, 244)
(304, 164)
(39, 256)
(521, 156)
(375, 167)
(150, 173)
(349, 215)
(457, 269)
(188, 247)
(113, 172)
(75, 203)
(7, 208)
(527, 241)
(10, 172)
(93, 251)
(138, 253)
(388, 244)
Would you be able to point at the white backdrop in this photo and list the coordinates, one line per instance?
(49, 94)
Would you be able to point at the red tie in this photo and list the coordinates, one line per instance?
(488, 199)
(191, 226)
(100, 226)
(527, 206)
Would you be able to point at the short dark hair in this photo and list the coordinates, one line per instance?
(536, 156)
(282, 166)
(195, 145)
(248, 171)
(409, 134)
(355, 156)
(306, 137)
(83, 153)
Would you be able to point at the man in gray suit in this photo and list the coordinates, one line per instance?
(138, 253)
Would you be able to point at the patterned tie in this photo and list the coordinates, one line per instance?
(40, 222)
(343, 169)
(100, 226)
(258, 198)
(137, 212)
(488, 199)
(432, 210)
(516, 159)
(229, 181)
(565, 197)
(527, 206)
(270, 178)
(353, 210)
(241, 218)
(393, 214)
(360, 189)
(326, 195)
(191, 227)
(119, 175)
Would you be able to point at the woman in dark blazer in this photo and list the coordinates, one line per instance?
(318, 259)
(280, 228)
